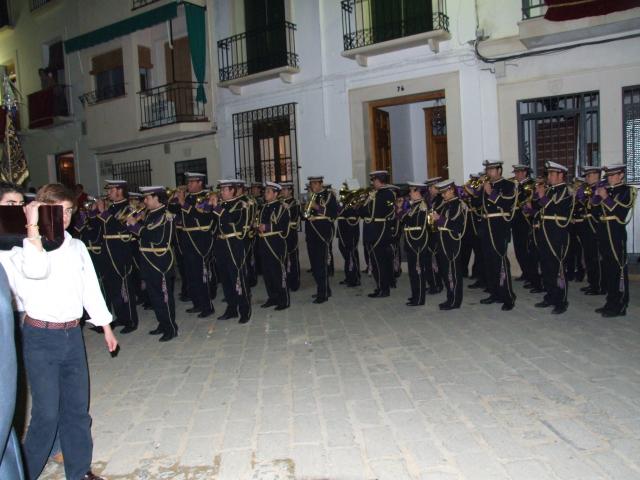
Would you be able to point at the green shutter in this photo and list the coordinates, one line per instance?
(418, 15)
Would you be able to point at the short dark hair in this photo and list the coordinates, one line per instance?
(162, 197)
(6, 187)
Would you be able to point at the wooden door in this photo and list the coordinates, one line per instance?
(65, 169)
(180, 96)
(436, 133)
(382, 140)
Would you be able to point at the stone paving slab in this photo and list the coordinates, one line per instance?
(361, 388)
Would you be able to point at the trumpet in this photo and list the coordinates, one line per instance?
(91, 202)
(589, 190)
(431, 221)
(476, 183)
(308, 210)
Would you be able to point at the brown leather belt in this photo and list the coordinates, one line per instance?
(50, 325)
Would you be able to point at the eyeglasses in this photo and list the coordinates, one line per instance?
(68, 211)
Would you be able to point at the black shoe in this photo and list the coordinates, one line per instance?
(320, 300)
(507, 306)
(342, 282)
(269, 303)
(184, 298)
(243, 319)
(228, 315)
(166, 337)
(584, 289)
(116, 323)
(440, 305)
(128, 329)
(157, 331)
(379, 295)
(527, 285)
(559, 309)
(489, 300)
(446, 306)
(476, 285)
(542, 304)
(374, 294)
(414, 304)
(602, 309)
(281, 307)
(611, 313)
(537, 290)
(193, 310)
(205, 313)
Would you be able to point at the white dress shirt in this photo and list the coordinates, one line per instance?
(55, 286)
(5, 261)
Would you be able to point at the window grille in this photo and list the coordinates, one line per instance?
(631, 132)
(196, 166)
(265, 145)
(564, 129)
(137, 173)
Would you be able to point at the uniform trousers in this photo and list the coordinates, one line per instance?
(348, 238)
(495, 239)
(417, 266)
(273, 251)
(552, 245)
(120, 293)
(230, 254)
(160, 291)
(319, 234)
(613, 245)
(195, 267)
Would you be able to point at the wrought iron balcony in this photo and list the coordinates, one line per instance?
(369, 22)
(533, 9)
(169, 104)
(257, 51)
(102, 94)
(135, 4)
(35, 4)
(47, 105)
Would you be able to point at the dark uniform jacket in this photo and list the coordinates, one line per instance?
(378, 214)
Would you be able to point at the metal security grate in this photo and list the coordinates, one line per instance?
(533, 9)
(563, 129)
(265, 144)
(136, 173)
(196, 166)
(631, 132)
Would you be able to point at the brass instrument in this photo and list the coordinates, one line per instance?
(589, 190)
(431, 221)
(308, 209)
(476, 183)
(92, 202)
(354, 198)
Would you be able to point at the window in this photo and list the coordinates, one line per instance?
(265, 145)
(196, 166)
(4, 14)
(631, 132)
(136, 173)
(563, 129)
(144, 66)
(108, 75)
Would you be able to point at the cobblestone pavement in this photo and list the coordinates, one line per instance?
(361, 388)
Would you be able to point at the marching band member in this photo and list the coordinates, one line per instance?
(475, 222)
(273, 226)
(574, 266)
(416, 231)
(616, 200)
(155, 233)
(498, 207)
(196, 241)
(450, 220)
(293, 255)
(230, 250)
(321, 211)
(556, 205)
(588, 228)
(378, 213)
(348, 228)
(256, 201)
(117, 255)
(434, 202)
(521, 226)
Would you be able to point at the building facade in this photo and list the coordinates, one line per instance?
(339, 88)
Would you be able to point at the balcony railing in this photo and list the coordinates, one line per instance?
(257, 51)
(100, 95)
(135, 4)
(533, 9)
(35, 4)
(171, 103)
(367, 22)
(45, 105)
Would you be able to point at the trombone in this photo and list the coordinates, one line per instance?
(308, 209)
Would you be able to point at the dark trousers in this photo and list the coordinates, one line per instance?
(160, 292)
(589, 241)
(574, 265)
(521, 246)
(251, 261)
(229, 256)
(348, 238)
(184, 283)
(417, 266)
(121, 294)
(293, 261)
(319, 243)
(534, 261)
(451, 271)
(198, 279)
(613, 244)
(553, 248)
(56, 365)
(397, 260)
(381, 262)
(273, 252)
(496, 263)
